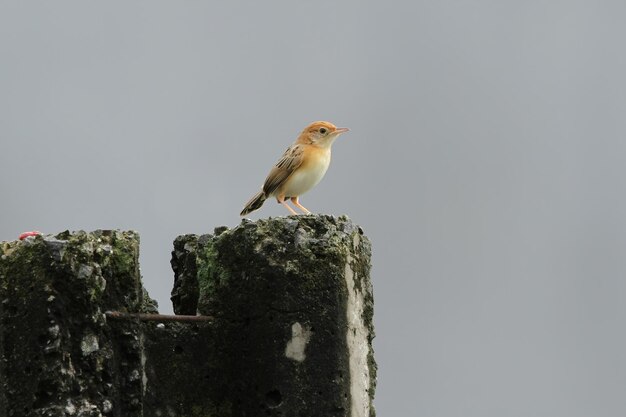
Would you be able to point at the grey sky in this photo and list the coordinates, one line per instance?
(486, 161)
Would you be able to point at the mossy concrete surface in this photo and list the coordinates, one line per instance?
(183, 375)
(293, 306)
(290, 335)
(59, 357)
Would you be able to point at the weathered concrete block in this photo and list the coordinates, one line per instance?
(291, 332)
(58, 355)
(185, 292)
(293, 307)
(183, 377)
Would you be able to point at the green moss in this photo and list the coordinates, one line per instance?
(207, 269)
(126, 253)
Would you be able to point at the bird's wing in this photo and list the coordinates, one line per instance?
(288, 163)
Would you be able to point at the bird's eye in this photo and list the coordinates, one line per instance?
(322, 130)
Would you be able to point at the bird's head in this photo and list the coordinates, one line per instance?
(321, 134)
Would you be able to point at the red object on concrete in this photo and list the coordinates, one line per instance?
(27, 234)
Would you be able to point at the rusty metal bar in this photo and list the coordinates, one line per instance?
(118, 315)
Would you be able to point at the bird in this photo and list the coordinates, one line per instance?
(300, 168)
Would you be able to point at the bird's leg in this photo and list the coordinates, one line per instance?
(281, 200)
(296, 203)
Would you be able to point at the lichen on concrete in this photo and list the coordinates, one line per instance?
(262, 278)
(291, 330)
(59, 355)
(300, 336)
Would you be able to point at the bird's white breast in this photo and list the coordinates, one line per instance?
(308, 175)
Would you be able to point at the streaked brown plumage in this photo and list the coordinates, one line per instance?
(300, 168)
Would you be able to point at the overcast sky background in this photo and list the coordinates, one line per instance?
(486, 161)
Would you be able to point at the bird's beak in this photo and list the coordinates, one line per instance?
(340, 130)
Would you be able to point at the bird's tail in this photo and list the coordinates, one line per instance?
(255, 203)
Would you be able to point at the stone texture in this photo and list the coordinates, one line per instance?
(293, 307)
(291, 332)
(185, 292)
(183, 376)
(58, 355)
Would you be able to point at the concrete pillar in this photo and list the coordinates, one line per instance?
(292, 301)
(290, 332)
(59, 356)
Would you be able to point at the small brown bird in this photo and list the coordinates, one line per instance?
(300, 168)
